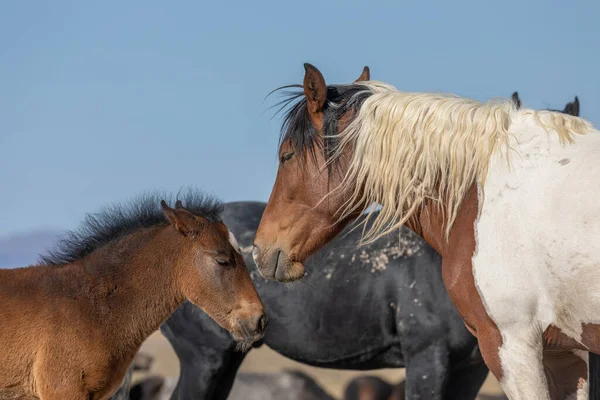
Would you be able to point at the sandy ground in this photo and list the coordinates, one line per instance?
(265, 360)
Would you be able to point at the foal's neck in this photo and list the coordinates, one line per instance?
(131, 285)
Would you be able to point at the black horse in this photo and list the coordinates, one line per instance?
(571, 108)
(391, 310)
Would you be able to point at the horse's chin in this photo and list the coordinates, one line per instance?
(243, 346)
(244, 343)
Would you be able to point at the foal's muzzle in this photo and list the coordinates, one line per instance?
(253, 329)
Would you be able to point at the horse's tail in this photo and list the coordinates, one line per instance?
(594, 375)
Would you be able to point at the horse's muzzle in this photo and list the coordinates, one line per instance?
(274, 264)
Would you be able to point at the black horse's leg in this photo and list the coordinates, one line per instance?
(228, 376)
(207, 375)
(427, 372)
(465, 383)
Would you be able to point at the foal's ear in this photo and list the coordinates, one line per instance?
(315, 89)
(572, 108)
(184, 221)
(365, 76)
(515, 98)
(178, 204)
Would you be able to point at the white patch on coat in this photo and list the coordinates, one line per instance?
(234, 242)
(537, 257)
(583, 391)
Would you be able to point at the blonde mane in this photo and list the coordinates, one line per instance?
(411, 147)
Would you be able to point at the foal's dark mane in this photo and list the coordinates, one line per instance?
(114, 222)
(297, 127)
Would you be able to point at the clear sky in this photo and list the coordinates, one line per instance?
(100, 101)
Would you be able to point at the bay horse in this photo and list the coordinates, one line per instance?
(72, 325)
(392, 311)
(507, 196)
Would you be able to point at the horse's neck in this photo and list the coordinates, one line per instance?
(130, 284)
(429, 222)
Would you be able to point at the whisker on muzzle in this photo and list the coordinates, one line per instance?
(243, 347)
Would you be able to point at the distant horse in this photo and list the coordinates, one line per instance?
(153, 388)
(507, 196)
(571, 108)
(391, 310)
(141, 362)
(373, 388)
(368, 387)
(123, 393)
(72, 326)
(285, 385)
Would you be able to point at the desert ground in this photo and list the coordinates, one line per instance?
(265, 360)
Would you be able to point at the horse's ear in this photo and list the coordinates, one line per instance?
(515, 98)
(572, 108)
(315, 89)
(178, 204)
(184, 221)
(365, 76)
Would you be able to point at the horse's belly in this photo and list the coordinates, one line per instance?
(537, 257)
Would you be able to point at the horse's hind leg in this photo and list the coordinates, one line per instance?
(427, 372)
(564, 369)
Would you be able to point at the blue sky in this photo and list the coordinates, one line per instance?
(101, 101)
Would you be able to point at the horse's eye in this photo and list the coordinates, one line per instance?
(223, 261)
(286, 157)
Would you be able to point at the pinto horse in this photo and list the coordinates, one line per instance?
(72, 326)
(392, 312)
(507, 196)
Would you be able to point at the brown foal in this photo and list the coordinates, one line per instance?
(70, 328)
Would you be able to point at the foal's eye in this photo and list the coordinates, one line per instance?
(223, 261)
(286, 156)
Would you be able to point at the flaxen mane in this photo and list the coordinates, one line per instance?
(114, 222)
(410, 147)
